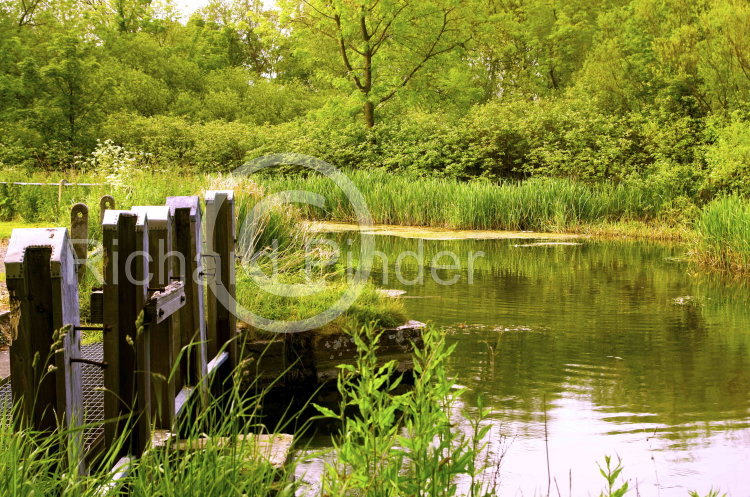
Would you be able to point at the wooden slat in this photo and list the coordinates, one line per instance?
(161, 310)
(34, 390)
(218, 361)
(159, 249)
(182, 399)
(127, 382)
(187, 241)
(220, 274)
(42, 283)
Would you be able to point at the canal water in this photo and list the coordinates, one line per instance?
(583, 349)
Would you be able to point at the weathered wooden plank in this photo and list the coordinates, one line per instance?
(181, 400)
(79, 233)
(30, 352)
(187, 241)
(159, 243)
(96, 306)
(41, 279)
(127, 381)
(160, 311)
(164, 347)
(215, 363)
(160, 253)
(117, 475)
(220, 273)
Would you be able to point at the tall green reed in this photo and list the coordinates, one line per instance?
(535, 204)
(724, 234)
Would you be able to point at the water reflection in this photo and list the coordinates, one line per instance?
(630, 353)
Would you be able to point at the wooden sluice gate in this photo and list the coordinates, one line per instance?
(164, 342)
(170, 342)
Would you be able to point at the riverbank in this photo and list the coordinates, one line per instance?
(631, 230)
(631, 209)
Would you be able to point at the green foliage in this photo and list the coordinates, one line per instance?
(729, 158)
(393, 443)
(32, 465)
(711, 493)
(176, 143)
(611, 474)
(623, 90)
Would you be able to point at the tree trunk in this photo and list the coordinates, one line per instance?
(369, 114)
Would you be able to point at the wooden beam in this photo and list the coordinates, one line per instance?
(159, 243)
(107, 202)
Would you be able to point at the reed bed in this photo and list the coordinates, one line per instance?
(723, 230)
(542, 204)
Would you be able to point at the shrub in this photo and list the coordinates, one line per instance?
(728, 158)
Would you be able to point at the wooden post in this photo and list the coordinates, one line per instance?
(41, 279)
(127, 382)
(107, 202)
(160, 310)
(220, 277)
(186, 241)
(159, 250)
(60, 192)
(79, 232)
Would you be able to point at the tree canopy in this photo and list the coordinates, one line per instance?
(500, 88)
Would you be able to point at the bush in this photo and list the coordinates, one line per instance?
(174, 142)
(728, 158)
(500, 140)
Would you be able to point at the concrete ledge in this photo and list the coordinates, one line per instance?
(397, 344)
(313, 357)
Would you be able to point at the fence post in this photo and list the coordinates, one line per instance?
(186, 241)
(60, 187)
(127, 382)
(220, 273)
(79, 232)
(107, 202)
(41, 279)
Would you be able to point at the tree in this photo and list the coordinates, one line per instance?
(73, 90)
(379, 45)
